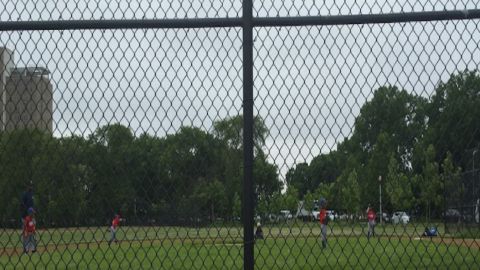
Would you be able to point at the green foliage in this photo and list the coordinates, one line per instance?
(230, 130)
(401, 136)
(299, 178)
(453, 115)
(348, 192)
(452, 180)
(237, 206)
(188, 176)
(265, 176)
(432, 191)
(290, 199)
(209, 196)
(418, 133)
(325, 190)
(398, 187)
(309, 199)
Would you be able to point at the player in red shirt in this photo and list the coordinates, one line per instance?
(371, 216)
(323, 219)
(113, 229)
(29, 241)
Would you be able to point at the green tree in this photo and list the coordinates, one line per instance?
(230, 130)
(454, 188)
(188, 157)
(265, 176)
(290, 199)
(299, 178)
(325, 190)
(453, 115)
(392, 122)
(348, 192)
(432, 186)
(398, 187)
(308, 201)
(152, 188)
(111, 187)
(237, 206)
(210, 195)
(324, 168)
(391, 111)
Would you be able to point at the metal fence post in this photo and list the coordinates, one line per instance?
(248, 135)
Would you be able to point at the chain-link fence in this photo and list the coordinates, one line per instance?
(462, 209)
(230, 134)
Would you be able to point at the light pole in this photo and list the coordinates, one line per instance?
(380, 188)
(474, 174)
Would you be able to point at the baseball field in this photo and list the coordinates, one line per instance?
(287, 246)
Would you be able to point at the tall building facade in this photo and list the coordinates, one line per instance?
(29, 98)
(6, 65)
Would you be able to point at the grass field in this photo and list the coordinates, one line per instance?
(292, 246)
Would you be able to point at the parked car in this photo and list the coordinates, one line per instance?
(400, 217)
(331, 215)
(303, 213)
(385, 217)
(285, 215)
(315, 213)
(271, 218)
(452, 215)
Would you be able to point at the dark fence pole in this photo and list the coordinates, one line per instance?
(248, 240)
(120, 24)
(418, 16)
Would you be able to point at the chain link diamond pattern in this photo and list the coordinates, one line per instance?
(123, 148)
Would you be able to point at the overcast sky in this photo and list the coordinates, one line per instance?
(310, 82)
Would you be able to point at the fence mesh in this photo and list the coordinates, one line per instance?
(123, 148)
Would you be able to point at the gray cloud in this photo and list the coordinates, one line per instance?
(310, 82)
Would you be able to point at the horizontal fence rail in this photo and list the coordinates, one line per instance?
(238, 22)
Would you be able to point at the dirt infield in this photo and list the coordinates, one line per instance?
(465, 242)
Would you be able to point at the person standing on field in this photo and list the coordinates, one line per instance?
(113, 229)
(371, 216)
(323, 219)
(259, 231)
(29, 230)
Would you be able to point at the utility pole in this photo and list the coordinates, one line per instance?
(380, 188)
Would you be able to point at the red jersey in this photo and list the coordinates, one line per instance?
(29, 224)
(322, 217)
(115, 222)
(371, 215)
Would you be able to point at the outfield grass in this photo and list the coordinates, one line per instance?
(292, 246)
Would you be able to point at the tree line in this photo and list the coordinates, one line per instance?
(417, 144)
(187, 177)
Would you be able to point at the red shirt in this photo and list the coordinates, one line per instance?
(29, 224)
(322, 217)
(371, 215)
(115, 222)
